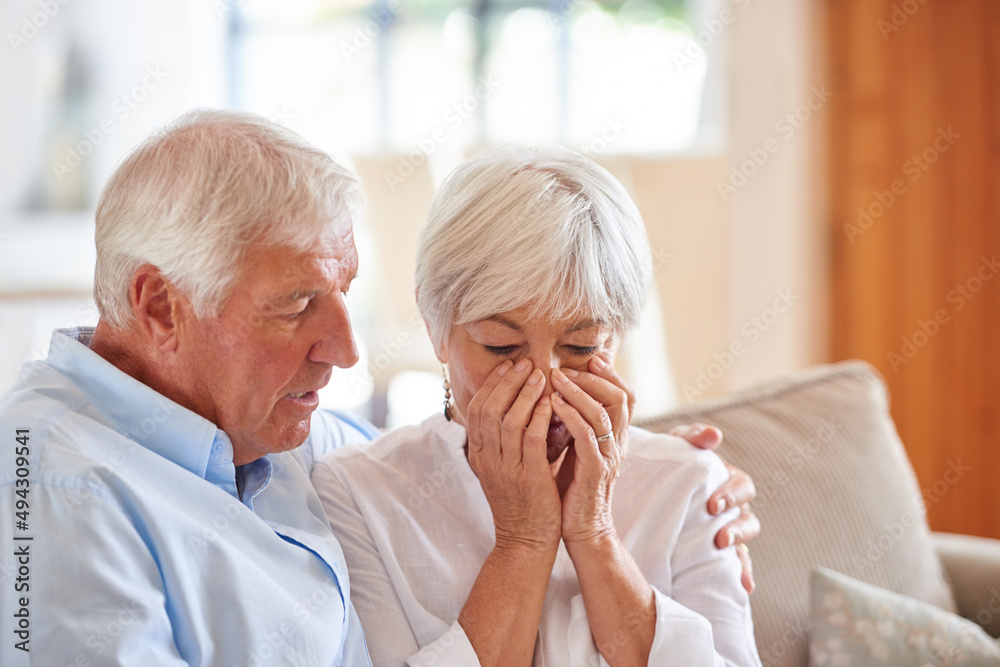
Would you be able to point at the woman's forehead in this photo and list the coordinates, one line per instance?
(523, 319)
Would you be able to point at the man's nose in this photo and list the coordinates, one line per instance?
(334, 344)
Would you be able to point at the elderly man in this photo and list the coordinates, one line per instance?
(168, 516)
(153, 487)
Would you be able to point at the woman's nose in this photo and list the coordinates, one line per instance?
(547, 362)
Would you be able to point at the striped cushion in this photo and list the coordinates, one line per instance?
(834, 489)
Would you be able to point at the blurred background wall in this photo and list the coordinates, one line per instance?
(748, 131)
(914, 213)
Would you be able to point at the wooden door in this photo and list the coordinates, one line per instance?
(914, 213)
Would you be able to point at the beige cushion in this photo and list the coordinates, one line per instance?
(834, 488)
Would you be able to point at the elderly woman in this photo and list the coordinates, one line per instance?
(531, 524)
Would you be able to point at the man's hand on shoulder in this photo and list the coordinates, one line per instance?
(737, 491)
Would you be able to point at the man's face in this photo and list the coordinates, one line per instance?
(255, 370)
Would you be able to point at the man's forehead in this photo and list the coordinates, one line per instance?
(283, 269)
(341, 225)
(335, 243)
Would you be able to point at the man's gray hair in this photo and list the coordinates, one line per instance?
(536, 227)
(191, 200)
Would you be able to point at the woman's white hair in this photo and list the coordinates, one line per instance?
(193, 198)
(537, 227)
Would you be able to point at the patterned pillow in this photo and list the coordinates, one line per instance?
(854, 623)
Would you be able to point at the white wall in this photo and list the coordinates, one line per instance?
(777, 240)
(135, 66)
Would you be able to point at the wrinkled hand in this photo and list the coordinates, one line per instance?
(507, 423)
(737, 491)
(592, 405)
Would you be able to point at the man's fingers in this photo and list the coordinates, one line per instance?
(701, 436)
(740, 530)
(737, 491)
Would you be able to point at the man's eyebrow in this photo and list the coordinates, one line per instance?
(500, 319)
(293, 296)
(281, 299)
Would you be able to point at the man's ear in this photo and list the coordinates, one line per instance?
(155, 306)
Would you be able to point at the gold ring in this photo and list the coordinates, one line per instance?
(745, 548)
(606, 436)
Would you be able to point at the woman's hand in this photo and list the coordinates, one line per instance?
(507, 424)
(620, 603)
(737, 491)
(596, 408)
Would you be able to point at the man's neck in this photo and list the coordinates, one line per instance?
(119, 348)
(129, 352)
(126, 350)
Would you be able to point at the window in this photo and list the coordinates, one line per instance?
(429, 75)
(433, 79)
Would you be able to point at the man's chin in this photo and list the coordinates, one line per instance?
(289, 423)
(272, 441)
(295, 436)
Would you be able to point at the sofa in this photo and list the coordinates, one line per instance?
(847, 570)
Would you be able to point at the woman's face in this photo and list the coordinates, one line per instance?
(473, 350)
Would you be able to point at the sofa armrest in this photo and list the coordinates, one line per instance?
(972, 564)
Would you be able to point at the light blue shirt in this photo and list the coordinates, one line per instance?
(123, 540)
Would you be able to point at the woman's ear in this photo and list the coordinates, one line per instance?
(440, 347)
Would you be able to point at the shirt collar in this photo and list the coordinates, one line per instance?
(142, 414)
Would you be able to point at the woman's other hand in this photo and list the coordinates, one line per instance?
(737, 491)
(620, 603)
(597, 409)
(508, 419)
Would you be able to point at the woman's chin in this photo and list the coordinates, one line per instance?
(557, 439)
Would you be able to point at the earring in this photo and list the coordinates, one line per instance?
(447, 393)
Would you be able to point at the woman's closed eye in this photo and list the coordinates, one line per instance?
(507, 350)
(500, 350)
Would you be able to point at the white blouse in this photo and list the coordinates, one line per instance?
(416, 528)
